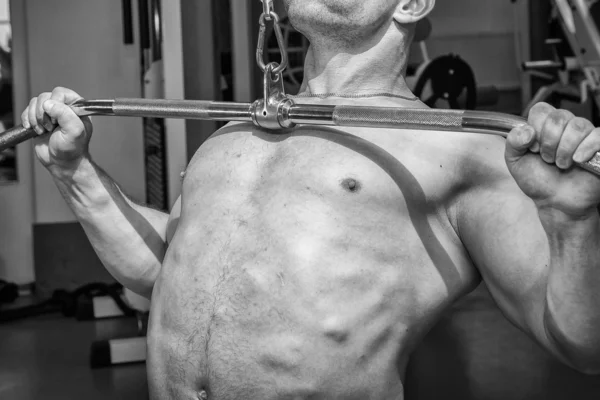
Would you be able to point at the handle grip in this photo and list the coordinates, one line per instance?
(14, 136)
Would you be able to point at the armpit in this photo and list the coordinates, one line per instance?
(173, 221)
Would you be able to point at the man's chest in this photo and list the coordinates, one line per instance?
(361, 166)
(314, 198)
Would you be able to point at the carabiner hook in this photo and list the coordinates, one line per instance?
(280, 42)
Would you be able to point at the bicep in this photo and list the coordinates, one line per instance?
(502, 232)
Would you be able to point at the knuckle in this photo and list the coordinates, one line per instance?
(580, 125)
(559, 118)
(591, 142)
(59, 111)
(539, 112)
(595, 136)
(541, 108)
(58, 90)
(40, 105)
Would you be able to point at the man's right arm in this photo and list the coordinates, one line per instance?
(129, 239)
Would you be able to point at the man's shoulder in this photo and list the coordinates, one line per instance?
(480, 159)
(473, 157)
(486, 184)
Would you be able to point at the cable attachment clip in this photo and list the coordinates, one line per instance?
(272, 111)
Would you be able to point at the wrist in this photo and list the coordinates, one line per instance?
(561, 223)
(73, 169)
(559, 215)
(82, 186)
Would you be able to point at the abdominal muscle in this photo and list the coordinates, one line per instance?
(299, 292)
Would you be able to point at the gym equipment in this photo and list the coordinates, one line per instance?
(118, 351)
(446, 78)
(277, 112)
(78, 303)
(576, 21)
(449, 76)
(106, 353)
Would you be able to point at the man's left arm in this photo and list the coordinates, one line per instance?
(534, 234)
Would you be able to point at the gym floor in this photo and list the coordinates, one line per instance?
(48, 358)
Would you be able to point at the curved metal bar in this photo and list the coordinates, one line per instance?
(419, 119)
(156, 108)
(290, 114)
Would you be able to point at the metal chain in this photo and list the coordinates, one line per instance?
(269, 14)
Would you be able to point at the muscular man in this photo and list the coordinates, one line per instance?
(309, 264)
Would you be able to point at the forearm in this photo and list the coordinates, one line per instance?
(129, 239)
(572, 317)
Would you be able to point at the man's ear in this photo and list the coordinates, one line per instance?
(411, 11)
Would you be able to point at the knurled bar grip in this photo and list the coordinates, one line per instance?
(186, 109)
(432, 119)
(14, 136)
(390, 117)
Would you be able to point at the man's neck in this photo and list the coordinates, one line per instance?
(374, 67)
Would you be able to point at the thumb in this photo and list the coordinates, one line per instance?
(518, 142)
(70, 124)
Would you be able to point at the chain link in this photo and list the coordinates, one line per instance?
(270, 15)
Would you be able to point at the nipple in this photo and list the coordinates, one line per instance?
(351, 185)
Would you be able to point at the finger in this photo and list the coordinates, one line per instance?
(32, 117)
(87, 123)
(588, 147)
(552, 132)
(65, 95)
(70, 125)
(537, 117)
(42, 118)
(577, 130)
(518, 142)
(25, 118)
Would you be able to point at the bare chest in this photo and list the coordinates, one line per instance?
(294, 252)
(401, 169)
(303, 203)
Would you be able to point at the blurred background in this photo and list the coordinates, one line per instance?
(68, 331)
